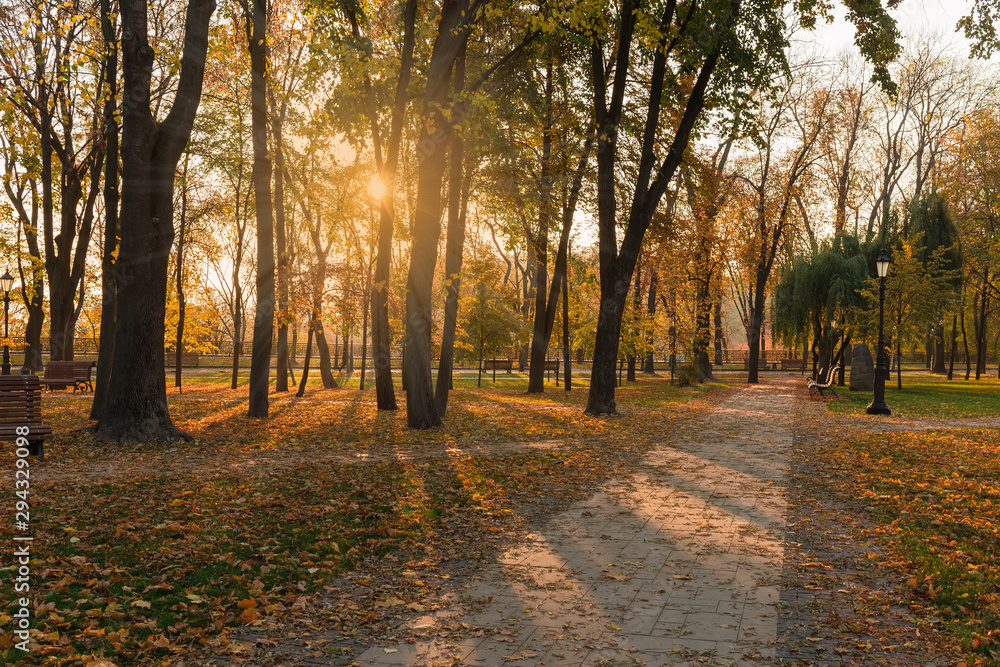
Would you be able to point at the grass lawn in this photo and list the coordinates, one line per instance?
(935, 496)
(929, 396)
(153, 552)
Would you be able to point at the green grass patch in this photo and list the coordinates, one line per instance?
(926, 396)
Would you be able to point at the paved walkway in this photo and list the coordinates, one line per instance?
(679, 564)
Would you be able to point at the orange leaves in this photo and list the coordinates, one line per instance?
(935, 489)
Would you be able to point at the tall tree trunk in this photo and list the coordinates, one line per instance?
(263, 327)
(305, 362)
(703, 304)
(32, 281)
(560, 270)
(636, 300)
(954, 346)
(540, 245)
(109, 274)
(454, 248)
(567, 352)
(282, 365)
(650, 368)
(381, 348)
(717, 323)
(179, 280)
(453, 31)
(323, 347)
(617, 265)
(527, 295)
(364, 329)
(981, 328)
(965, 344)
(45, 146)
(136, 409)
(237, 326)
(756, 331)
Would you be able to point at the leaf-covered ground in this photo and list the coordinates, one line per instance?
(894, 524)
(331, 520)
(928, 505)
(145, 554)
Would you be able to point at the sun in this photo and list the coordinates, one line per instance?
(376, 188)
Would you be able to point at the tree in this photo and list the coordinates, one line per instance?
(488, 323)
(772, 181)
(457, 21)
(386, 155)
(263, 329)
(970, 180)
(820, 293)
(684, 48)
(708, 187)
(22, 188)
(915, 293)
(56, 80)
(109, 279)
(932, 225)
(850, 123)
(280, 91)
(459, 184)
(136, 409)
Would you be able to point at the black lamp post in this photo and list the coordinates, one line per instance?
(6, 283)
(878, 405)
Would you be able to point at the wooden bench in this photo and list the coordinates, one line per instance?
(62, 374)
(20, 406)
(791, 364)
(498, 365)
(188, 359)
(827, 384)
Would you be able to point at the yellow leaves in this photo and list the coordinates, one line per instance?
(142, 604)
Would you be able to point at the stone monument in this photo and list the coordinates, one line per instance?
(862, 368)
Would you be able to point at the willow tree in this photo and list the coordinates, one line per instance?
(136, 408)
(819, 288)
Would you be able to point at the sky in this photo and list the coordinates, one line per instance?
(913, 16)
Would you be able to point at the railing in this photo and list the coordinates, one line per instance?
(88, 346)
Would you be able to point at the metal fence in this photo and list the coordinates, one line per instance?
(223, 351)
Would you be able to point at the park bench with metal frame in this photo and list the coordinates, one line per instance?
(20, 406)
(791, 364)
(498, 365)
(188, 359)
(830, 376)
(62, 374)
